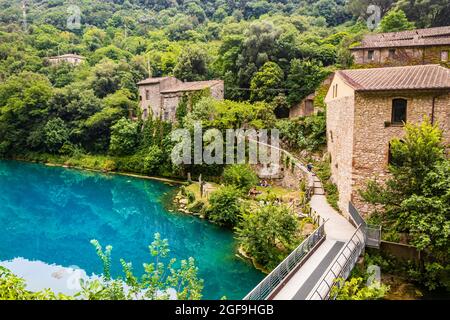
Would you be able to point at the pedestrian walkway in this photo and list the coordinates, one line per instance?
(311, 280)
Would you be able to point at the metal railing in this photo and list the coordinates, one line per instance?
(372, 233)
(341, 266)
(263, 290)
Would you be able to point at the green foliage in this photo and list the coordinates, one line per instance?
(268, 234)
(355, 289)
(303, 78)
(395, 20)
(56, 134)
(14, 288)
(265, 82)
(241, 176)
(224, 206)
(124, 137)
(160, 281)
(416, 199)
(192, 65)
(323, 171)
(304, 133)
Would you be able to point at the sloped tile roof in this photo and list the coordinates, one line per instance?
(152, 80)
(397, 78)
(192, 86)
(409, 38)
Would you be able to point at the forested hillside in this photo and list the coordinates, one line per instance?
(273, 52)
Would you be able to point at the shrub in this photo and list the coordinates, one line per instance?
(56, 134)
(124, 137)
(268, 234)
(241, 176)
(224, 206)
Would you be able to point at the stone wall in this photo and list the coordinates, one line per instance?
(371, 137)
(170, 103)
(340, 113)
(217, 91)
(402, 56)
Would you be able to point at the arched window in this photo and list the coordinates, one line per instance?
(399, 107)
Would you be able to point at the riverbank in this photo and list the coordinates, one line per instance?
(100, 164)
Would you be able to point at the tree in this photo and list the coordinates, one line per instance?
(192, 65)
(56, 134)
(395, 20)
(303, 78)
(430, 13)
(268, 234)
(124, 137)
(416, 199)
(265, 83)
(224, 206)
(241, 176)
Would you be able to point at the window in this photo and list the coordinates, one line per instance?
(391, 53)
(444, 56)
(390, 154)
(147, 95)
(335, 87)
(145, 113)
(391, 160)
(399, 111)
(370, 55)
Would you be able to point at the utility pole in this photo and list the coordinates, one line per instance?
(24, 16)
(149, 68)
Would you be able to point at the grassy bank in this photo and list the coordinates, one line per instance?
(100, 163)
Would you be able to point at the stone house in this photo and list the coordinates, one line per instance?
(412, 47)
(306, 106)
(159, 97)
(367, 108)
(67, 58)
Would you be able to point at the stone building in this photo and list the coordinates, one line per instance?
(67, 58)
(367, 108)
(412, 47)
(159, 97)
(306, 106)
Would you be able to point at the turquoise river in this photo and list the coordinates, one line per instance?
(48, 215)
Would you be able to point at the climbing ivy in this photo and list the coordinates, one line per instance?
(187, 101)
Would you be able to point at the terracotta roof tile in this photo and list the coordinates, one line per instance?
(409, 38)
(152, 80)
(397, 78)
(192, 86)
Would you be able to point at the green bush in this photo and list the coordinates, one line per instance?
(269, 234)
(124, 137)
(224, 206)
(241, 176)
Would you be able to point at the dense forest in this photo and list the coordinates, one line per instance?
(272, 52)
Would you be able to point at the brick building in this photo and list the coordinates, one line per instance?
(159, 97)
(412, 47)
(366, 109)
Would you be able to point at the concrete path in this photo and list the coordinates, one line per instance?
(337, 227)
(304, 282)
(338, 230)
